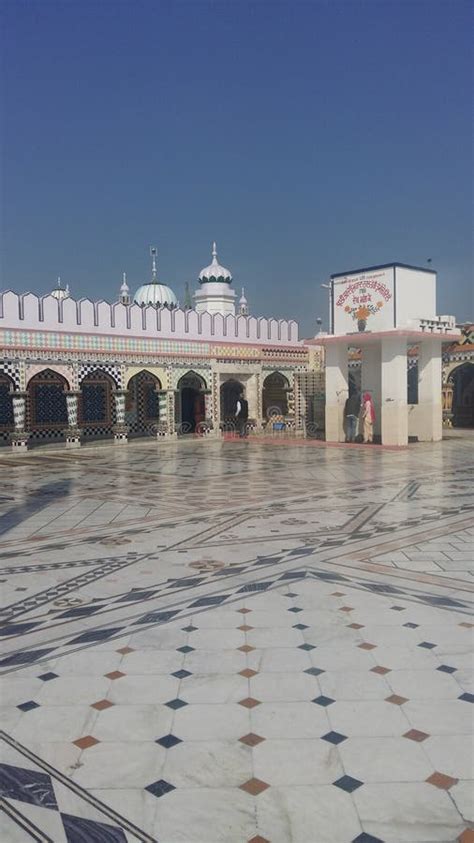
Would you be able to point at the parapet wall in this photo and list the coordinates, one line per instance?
(46, 313)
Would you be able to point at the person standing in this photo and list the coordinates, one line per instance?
(351, 416)
(368, 417)
(242, 415)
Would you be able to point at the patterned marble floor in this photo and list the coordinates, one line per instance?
(226, 642)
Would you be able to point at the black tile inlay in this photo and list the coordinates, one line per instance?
(185, 649)
(160, 787)
(96, 635)
(26, 657)
(79, 829)
(79, 612)
(411, 625)
(348, 784)
(181, 674)
(366, 838)
(176, 703)
(427, 645)
(28, 706)
(306, 647)
(168, 741)
(300, 626)
(27, 786)
(17, 628)
(209, 601)
(295, 609)
(446, 668)
(467, 697)
(334, 737)
(324, 701)
(157, 617)
(313, 671)
(46, 677)
(189, 628)
(254, 586)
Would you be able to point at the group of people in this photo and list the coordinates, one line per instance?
(359, 414)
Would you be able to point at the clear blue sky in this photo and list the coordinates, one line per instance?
(305, 137)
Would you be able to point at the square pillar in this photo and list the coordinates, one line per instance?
(371, 380)
(337, 390)
(394, 391)
(430, 410)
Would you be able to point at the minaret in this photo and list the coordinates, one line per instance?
(243, 304)
(154, 271)
(124, 295)
(188, 302)
(215, 294)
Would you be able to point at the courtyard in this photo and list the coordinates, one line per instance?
(237, 642)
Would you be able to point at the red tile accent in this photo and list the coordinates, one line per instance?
(101, 704)
(244, 611)
(245, 627)
(125, 650)
(416, 735)
(86, 742)
(246, 648)
(380, 669)
(441, 780)
(396, 700)
(249, 702)
(355, 625)
(337, 594)
(251, 739)
(248, 672)
(367, 646)
(259, 839)
(116, 674)
(467, 625)
(254, 786)
(466, 837)
(346, 609)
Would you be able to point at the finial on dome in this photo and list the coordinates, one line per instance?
(214, 251)
(153, 254)
(59, 282)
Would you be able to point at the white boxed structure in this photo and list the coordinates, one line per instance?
(381, 298)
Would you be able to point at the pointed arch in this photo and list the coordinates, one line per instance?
(96, 411)
(47, 400)
(275, 395)
(7, 386)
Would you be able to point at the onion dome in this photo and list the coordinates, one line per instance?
(59, 292)
(159, 295)
(215, 272)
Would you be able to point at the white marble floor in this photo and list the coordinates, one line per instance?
(225, 642)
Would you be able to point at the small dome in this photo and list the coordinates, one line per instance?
(154, 293)
(59, 292)
(157, 294)
(243, 299)
(215, 272)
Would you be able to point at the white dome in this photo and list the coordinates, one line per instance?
(59, 292)
(215, 272)
(157, 294)
(154, 292)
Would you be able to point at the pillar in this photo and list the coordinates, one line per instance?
(430, 409)
(337, 390)
(371, 380)
(394, 391)
(73, 433)
(166, 426)
(120, 429)
(19, 437)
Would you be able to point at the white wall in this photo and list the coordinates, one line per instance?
(30, 312)
(415, 295)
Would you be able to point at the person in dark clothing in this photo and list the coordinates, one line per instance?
(351, 416)
(242, 415)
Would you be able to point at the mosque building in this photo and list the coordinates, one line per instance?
(73, 370)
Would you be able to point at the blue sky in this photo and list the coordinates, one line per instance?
(305, 137)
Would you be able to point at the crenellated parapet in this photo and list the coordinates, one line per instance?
(46, 313)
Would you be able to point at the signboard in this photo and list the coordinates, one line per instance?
(363, 301)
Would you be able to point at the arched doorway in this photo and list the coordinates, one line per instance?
(142, 406)
(275, 395)
(96, 405)
(6, 405)
(192, 407)
(47, 408)
(229, 395)
(462, 380)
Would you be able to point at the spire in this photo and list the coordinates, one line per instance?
(59, 292)
(153, 254)
(243, 304)
(188, 304)
(124, 295)
(214, 252)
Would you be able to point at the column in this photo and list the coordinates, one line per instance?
(371, 380)
(19, 437)
(166, 425)
(207, 427)
(430, 410)
(337, 390)
(73, 433)
(120, 429)
(394, 391)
